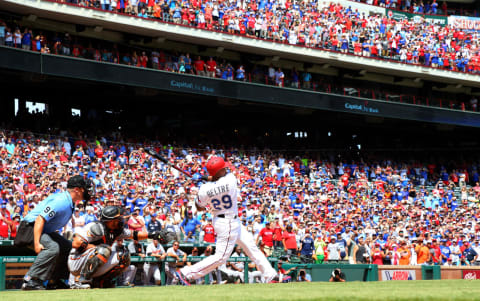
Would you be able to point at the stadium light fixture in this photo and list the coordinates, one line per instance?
(98, 29)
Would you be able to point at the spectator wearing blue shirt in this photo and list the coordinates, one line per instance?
(469, 254)
(434, 7)
(445, 251)
(10, 146)
(307, 77)
(141, 201)
(143, 13)
(27, 39)
(307, 247)
(154, 225)
(297, 207)
(129, 202)
(427, 58)
(52, 249)
(240, 73)
(304, 276)
(90, 216)
(189, 224)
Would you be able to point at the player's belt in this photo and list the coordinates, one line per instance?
(229, 216)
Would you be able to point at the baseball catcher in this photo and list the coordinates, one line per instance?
(93, 262)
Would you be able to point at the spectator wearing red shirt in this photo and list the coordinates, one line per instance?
(436, 252)
(136, 222)
(378, 254)
(209, 235)
(277, 233)
(211, 67)
(99, 151)
(14, 226)
(267, 239)
(199, 66)
(5, 221)
(80, 142)
(289, 240)
(143, 60)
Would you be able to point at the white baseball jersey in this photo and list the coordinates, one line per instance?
(221, 195)
(152, 249)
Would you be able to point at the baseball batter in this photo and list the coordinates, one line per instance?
(222, 194)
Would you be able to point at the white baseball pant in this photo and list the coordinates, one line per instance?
(151, 270)
(77, 261)
(230, 231)
(129, 274)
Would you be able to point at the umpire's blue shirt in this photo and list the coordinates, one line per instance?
(56, 209)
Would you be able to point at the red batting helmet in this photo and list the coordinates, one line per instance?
(215, 164)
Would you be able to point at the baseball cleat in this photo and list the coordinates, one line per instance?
(271, 279)
(32, 285)
(80, 286)
(182, 278)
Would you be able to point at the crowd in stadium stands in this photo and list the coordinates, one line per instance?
(422, 7)
(382, 212)
(417, 7)
(65, 44)
(319, 25)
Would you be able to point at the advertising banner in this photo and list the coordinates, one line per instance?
(465, 23)
(471, 274)
(388, 275)
(417, 18)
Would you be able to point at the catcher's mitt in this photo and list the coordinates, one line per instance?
(165, 236)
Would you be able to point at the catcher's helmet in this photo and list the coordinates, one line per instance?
(215, 164)
(110, 213)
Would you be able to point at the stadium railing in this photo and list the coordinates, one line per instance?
(6, 243)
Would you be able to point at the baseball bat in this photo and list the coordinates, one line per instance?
(156, 155)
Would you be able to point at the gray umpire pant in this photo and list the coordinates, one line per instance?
(51, 262)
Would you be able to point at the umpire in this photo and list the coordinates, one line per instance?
(46, 219)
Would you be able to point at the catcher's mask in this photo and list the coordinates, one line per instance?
(112, 213)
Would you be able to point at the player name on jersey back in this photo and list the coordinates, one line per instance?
(217, 190)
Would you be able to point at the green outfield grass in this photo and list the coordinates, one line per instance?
(399, 290)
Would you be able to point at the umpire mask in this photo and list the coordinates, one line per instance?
(86, 184)
(89, 190)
